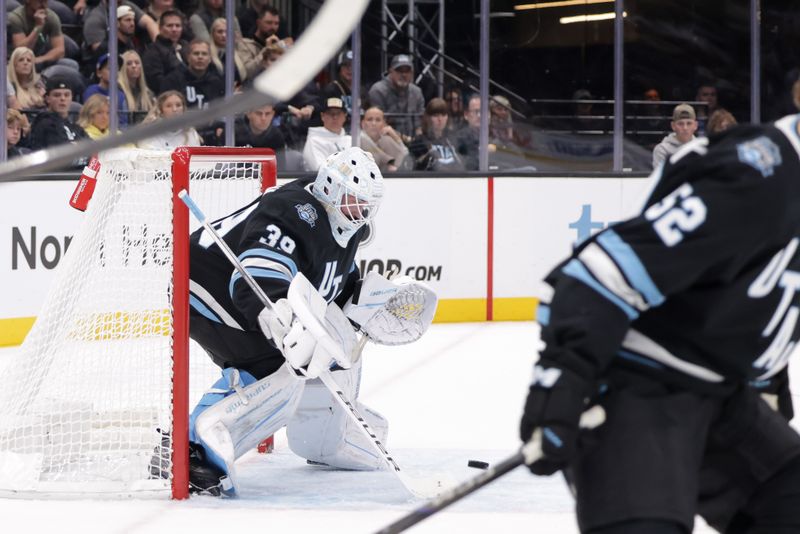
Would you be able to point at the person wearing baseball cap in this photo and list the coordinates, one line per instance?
(684, 125)
(400, 98)
(341, 86)
(53, 126)
(322, 141)
(103, 86)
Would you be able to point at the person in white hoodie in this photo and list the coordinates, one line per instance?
(169, 104)
(684, 125)
(322, 141)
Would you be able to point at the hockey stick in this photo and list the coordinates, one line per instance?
(323, 38)
(424, 488)
(529, 453)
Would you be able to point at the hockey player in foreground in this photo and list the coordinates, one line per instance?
(672, 321)
(313, 227)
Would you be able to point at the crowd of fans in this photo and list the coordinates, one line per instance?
(171, 58)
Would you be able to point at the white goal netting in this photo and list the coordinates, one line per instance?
(87, 400)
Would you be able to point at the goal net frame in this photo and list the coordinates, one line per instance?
(15, 454)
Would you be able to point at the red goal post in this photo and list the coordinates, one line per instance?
(182, 159)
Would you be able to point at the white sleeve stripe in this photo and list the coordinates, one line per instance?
(544, 292)
(639, 343)
(206, 298)
(264, 263)
(607, 273)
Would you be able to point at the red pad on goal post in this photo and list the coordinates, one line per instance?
(266, 446)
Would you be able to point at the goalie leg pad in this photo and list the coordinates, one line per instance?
(322, 432)
(238, 412)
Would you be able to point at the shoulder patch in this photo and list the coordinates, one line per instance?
(308, 213)
(761, 153)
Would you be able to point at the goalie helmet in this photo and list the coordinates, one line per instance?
(350, 186)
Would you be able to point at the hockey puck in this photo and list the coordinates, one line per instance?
(478, 464)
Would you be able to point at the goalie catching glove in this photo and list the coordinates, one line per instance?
(392, 312)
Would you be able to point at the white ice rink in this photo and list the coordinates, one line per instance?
(453, 396)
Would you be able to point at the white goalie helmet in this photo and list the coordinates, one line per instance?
(350, 186)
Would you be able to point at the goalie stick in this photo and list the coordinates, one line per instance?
(320, 41)
(529, 453)
(419, 487)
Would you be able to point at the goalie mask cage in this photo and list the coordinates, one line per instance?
(96, 400)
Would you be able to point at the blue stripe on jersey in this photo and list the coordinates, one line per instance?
(257, 273)
(543, 314)
(272, 255)
(625, 355)
(577, 270)
(198, 305)
(631, 265)
(352, 268)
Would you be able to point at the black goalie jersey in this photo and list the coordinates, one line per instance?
(284, 232)
(700, 288)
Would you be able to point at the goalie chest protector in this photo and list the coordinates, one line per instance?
(283, 232)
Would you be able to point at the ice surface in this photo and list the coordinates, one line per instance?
(454, 396)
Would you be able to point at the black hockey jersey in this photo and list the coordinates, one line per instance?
(284, 232)
(702, 287)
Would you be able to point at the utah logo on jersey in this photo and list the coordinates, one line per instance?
(761, 153)
(308, 213)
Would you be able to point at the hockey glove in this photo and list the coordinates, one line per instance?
(550, 421)
(280, 325)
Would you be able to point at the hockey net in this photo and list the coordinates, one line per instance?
(96, 400)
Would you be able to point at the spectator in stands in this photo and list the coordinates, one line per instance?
(210, 10)
(256, 129)
(585, 119)
(16, 123)
(322, 141)
(400, 98)
(169, 104)
(53, 126)
(165, 54)
(433, 150)
(264, 35)
(455, 109)
(382, 141)
(103, 85)
(502, 130)
(300, 110)
(28, 86)
(34, 26)
(249, 13)
(155, 8)
(719, 121)
(707, 93)
(219, 32)
(199, 83)
(94, 116)
(95, 26)
(139, 99)
(684, 125)
(468, 137)
(340, 87)
(126, 31)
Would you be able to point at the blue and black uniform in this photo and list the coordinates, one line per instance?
(680, 317)
(284, 232)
